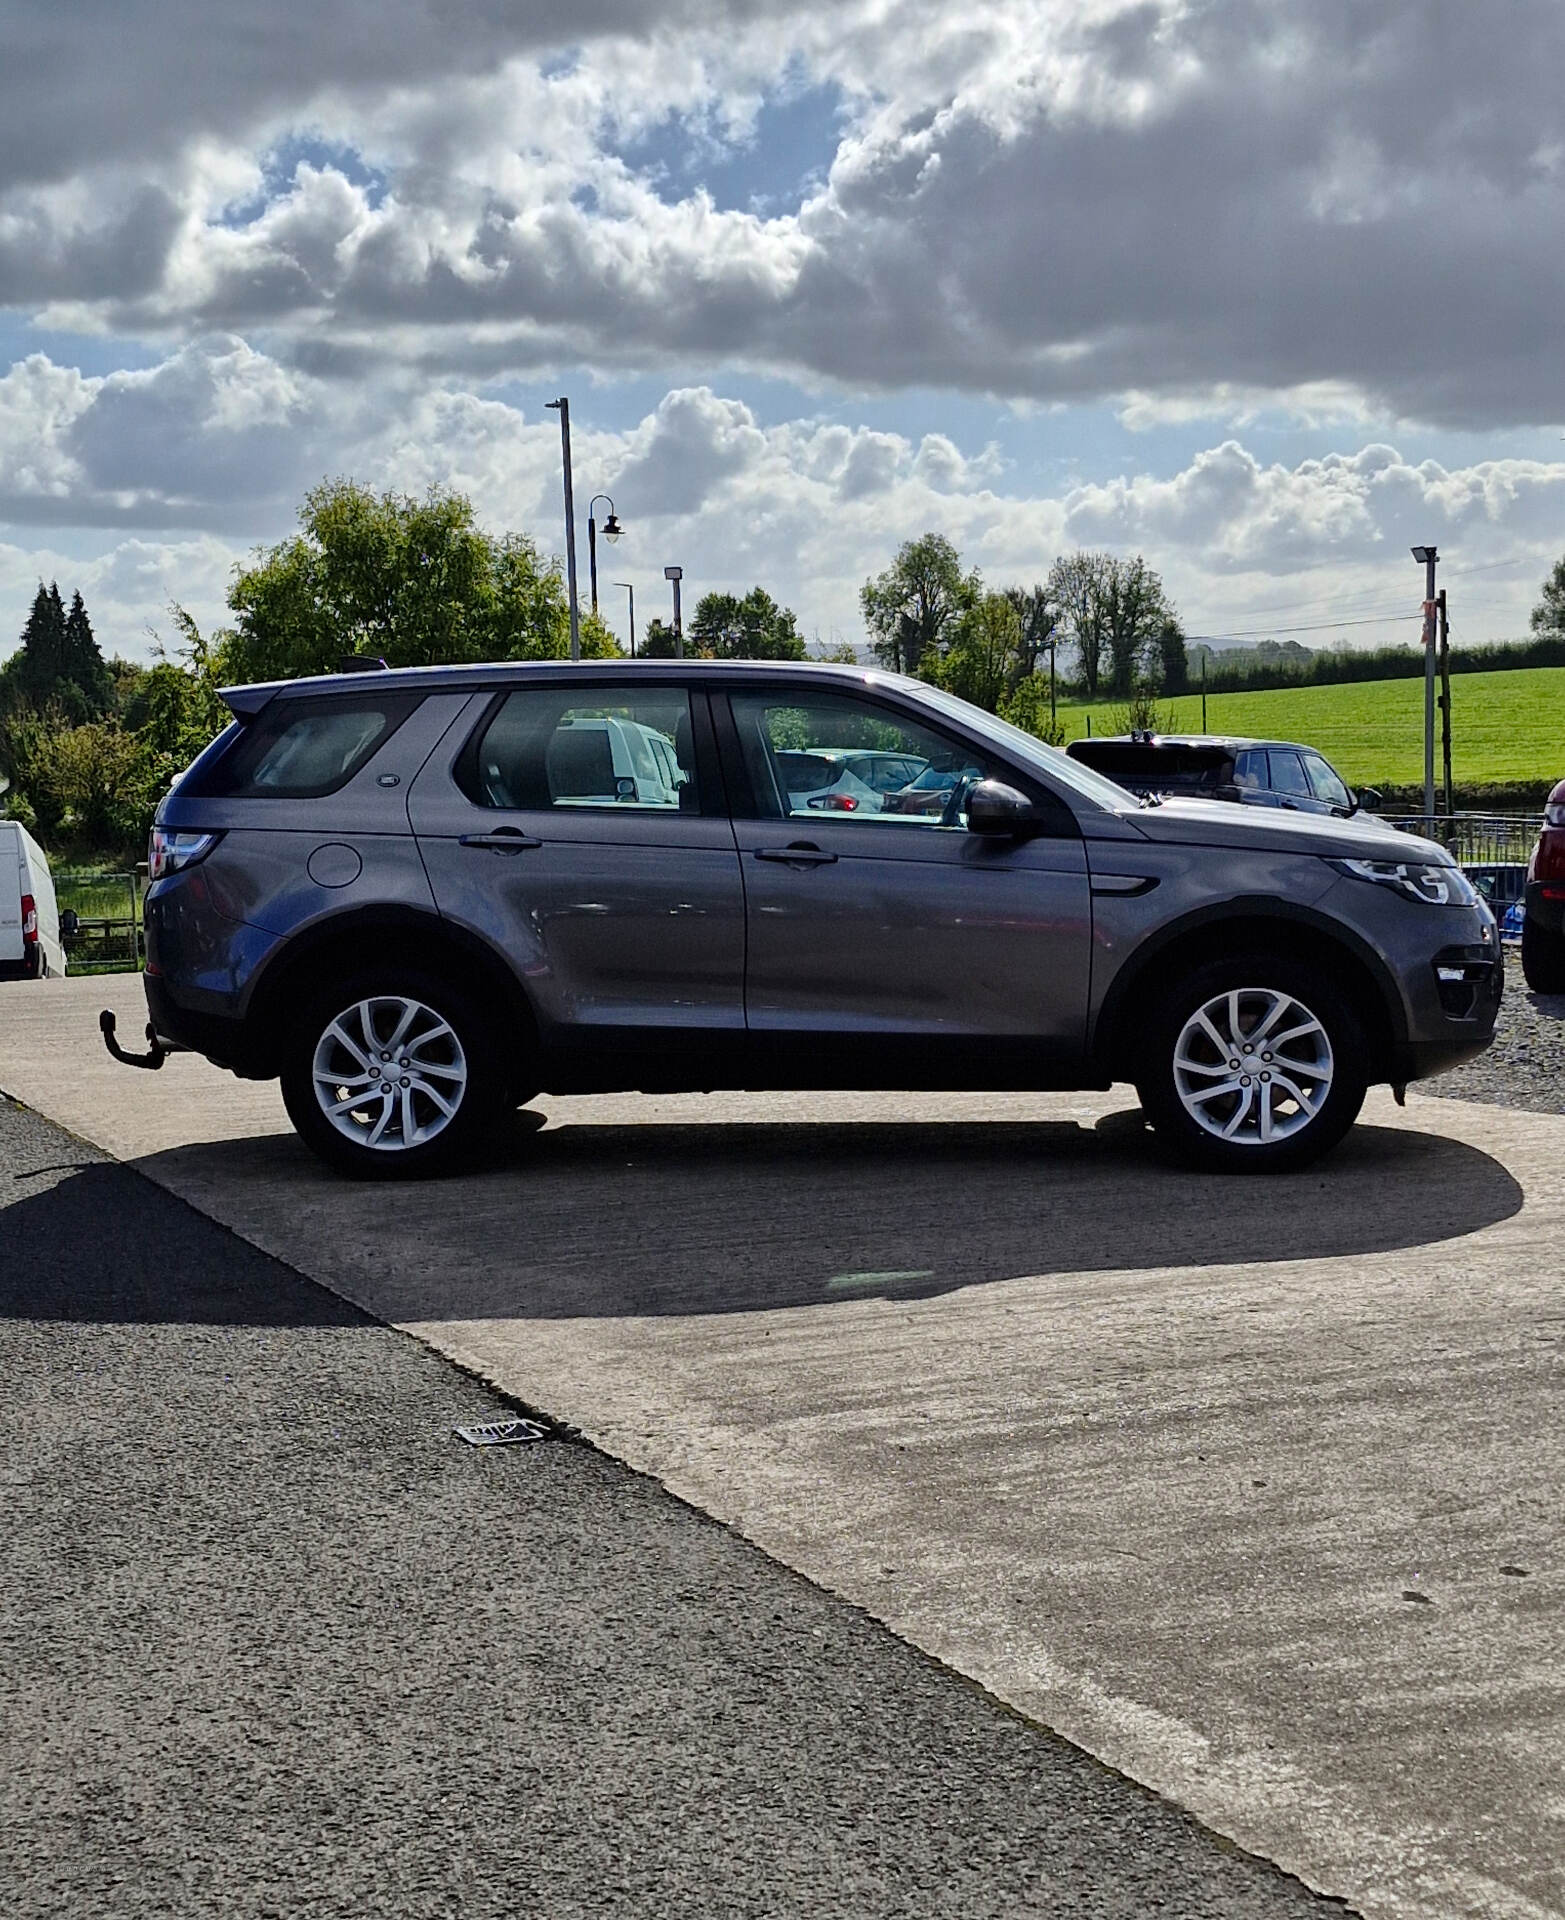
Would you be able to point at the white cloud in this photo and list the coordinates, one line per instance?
(1217, 205)
(804, 506)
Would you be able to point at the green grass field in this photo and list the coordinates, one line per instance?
(1504, 726)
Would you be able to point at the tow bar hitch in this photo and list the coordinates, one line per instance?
(153, 1059)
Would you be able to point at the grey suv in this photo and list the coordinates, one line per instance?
(422, 897)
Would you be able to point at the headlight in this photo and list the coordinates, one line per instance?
(1435, 886)
(172, 852)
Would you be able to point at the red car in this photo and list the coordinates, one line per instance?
(1543, 917)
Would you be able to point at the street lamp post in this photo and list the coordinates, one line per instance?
(611, 532)
(562, 406)
(632, 592)
(676, 574)
(1428, 556)
(1053, 649)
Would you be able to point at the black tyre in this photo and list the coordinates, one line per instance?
(1253, 1064)
(1543, 957)
(393, 1074)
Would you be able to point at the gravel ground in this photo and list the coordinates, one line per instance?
(1525, 1067)
(273, 1643)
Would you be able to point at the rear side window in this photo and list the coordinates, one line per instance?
(300, 749)
(565, 747)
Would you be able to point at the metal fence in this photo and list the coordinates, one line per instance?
(108, 918)
(1476, 839)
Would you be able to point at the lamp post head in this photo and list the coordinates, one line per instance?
(1423, 555)
(611, 527)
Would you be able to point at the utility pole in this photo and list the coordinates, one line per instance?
(1203, 691)
(676, 574)
(1445, 699)
(562, 406)
(1428, 556)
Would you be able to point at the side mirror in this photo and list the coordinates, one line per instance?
(70, 923)
(995, 808)
(1368, 797)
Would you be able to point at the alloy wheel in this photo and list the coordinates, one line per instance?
(1253, 1065)
(389, 1073)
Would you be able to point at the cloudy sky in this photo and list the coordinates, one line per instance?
(1268, 292)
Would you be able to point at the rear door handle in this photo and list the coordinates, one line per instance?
(802, 854)
(502, 840)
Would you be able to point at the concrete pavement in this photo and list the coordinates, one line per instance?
(1250, 1488)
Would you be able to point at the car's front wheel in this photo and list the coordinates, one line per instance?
(1253, 1064)
(393, 1074)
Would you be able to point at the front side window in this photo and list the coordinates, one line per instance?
(831, 756)
(572, 748)
(1325, 781)
(1287, 774)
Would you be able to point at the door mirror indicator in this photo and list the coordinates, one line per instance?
(995, 808)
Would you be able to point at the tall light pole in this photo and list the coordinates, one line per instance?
(676, 574)
(632, 592)
(1428, 556)
(562, 406)
(611, 532)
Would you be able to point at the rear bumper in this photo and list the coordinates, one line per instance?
(224, 1042)
(1542, 912)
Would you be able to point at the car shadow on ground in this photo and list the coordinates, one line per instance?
(618, 1220)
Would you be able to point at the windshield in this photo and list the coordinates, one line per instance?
(1049, 761)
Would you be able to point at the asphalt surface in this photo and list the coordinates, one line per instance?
(272, 1641)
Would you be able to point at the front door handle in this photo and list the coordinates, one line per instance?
(803, 853)
(502, 840)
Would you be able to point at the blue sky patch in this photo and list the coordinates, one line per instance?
(792, 146)
(281, 163)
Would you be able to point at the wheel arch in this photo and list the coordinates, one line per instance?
(347, 942)
(1291, 931)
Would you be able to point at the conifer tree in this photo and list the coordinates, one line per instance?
(33, 673)
(82, 662)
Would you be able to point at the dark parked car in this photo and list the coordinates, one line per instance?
(1213, 766)
(385, 889)
(1543, 912)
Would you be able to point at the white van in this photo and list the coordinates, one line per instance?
(29, 920)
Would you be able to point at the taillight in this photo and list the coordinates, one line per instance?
(1548, 860)
(172, 852)
(835, 802)
(29, 921)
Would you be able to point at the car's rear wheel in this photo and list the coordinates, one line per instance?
(1543, 957)
(392, 1075)
(1254, 1064)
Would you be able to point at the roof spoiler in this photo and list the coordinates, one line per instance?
(244, 703)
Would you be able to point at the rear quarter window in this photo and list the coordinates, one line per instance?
(300, 749)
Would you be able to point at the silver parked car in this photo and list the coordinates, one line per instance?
(422, 897)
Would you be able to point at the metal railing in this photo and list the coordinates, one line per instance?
(1475, 839)
(108, 918)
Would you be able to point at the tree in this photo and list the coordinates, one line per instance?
(1038, 613)
(1548, 617)
(1173, 666)
(657, 641)
(58, 663)
(1076, 586)
(1027, 706)
(34, 671)
(912, 608)
(83, 665)
(754, 628)
(414, 582)
(980, 660)
(1134, 613)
